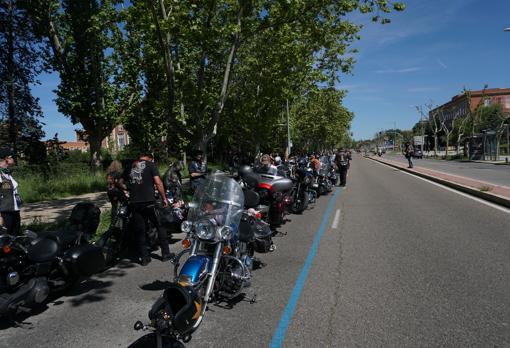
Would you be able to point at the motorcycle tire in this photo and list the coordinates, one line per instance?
(301, 206)
(112, 244)
(150, 341)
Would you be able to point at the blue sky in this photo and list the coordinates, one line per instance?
(428, 53)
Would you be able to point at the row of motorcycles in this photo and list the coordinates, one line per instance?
(35, 266)
(229, 220)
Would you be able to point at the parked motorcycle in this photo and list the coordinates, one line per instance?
(33, 266)
(116, 239)
(216, 268)
(301, 190)
(275, 192)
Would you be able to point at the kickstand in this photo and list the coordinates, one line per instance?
(252, 299)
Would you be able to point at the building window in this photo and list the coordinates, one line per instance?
(122, 143)
(507, 102)
(486, 102)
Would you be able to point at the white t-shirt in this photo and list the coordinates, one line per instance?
(17, 202)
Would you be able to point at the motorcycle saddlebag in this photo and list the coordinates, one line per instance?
(85, 217)
(180, 306)
(263, 235)
(85, 259)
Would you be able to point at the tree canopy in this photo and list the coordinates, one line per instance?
(193, 73)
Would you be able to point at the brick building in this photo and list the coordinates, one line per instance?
(114, 142)
(458, 106)
(117, 140)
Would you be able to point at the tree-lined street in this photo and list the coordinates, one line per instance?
(406, 264)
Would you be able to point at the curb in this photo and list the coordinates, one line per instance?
(497, 199)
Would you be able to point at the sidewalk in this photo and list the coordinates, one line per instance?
(498, 194)
(49, 211)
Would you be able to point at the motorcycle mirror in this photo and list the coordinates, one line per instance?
(138, 325)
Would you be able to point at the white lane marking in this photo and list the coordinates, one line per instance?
(479, 200)
(336, 219)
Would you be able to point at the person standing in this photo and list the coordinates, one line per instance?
(265, 166)
(408, 153)
(116, 187)
(342, 161)
(144, 176)
(197, 171)
(10, 200)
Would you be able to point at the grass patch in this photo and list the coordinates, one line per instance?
(48, 183)
(485, 188)
(38, 183)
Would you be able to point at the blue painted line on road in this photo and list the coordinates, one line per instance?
(286, 318)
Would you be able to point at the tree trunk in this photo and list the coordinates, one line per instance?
(164, 42)
(11, 108)
(213, 124)
(435, 145)
(447, 144)
(95, 151)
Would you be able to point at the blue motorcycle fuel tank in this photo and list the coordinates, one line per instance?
(195, 269)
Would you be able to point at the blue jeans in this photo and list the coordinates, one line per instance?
(410, 160)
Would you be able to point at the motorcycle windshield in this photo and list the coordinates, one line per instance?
(325, 160)
(219, 198)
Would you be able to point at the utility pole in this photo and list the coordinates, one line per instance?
(507, 140)
(289, 144)
(394, 135)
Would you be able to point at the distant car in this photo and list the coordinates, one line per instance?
(418, 153)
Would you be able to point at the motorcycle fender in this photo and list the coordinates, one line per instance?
(195, 269)
(85, 259)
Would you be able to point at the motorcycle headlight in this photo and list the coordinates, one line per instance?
(205, 229)
(226, 232)
(186, 226)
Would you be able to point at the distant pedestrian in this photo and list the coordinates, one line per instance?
(343, 162)
(10, 201)
(409, 153)
(197, 171)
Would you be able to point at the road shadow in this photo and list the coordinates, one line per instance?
(230, 303)
(89, 290)
(156, 285)
(149, 341)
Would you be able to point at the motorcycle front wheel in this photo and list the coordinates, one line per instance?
(301, 203)
(151, 341)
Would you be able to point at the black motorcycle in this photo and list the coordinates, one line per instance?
(34, 266)
(115, 242)
(301, 190)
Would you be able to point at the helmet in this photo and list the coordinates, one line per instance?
(180, 306)
(277, 160)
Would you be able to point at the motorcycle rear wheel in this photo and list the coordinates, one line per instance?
(112, 244)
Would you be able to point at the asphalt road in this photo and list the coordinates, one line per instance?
(408, 264)
(491, 173)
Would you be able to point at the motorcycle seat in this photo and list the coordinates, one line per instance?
(67, 238)
(43, 249)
